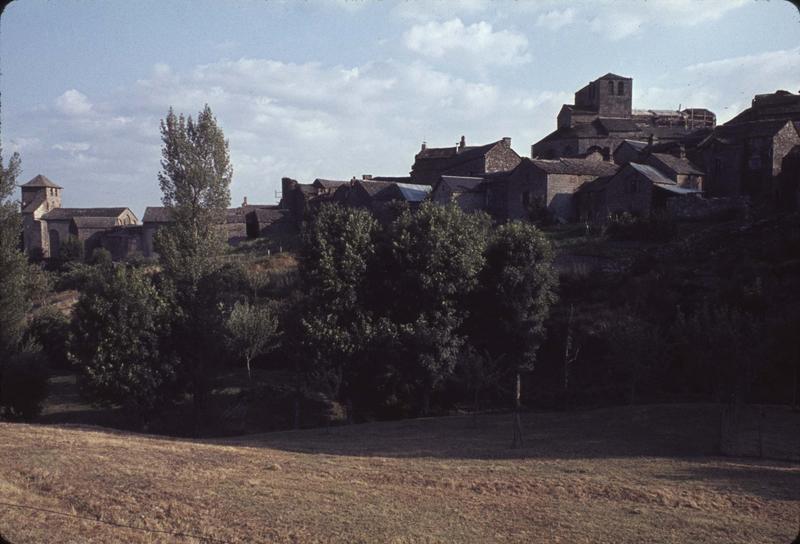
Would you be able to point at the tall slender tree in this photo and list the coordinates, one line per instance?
(195, 180)
(13, 299)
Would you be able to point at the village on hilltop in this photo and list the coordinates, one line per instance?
(604, 159)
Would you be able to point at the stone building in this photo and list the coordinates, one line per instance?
(536, 188)
(46, 224)
(431, 163)
(602, 117)
(745, 155)
(636, 189)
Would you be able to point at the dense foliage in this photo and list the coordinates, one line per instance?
(119, 342)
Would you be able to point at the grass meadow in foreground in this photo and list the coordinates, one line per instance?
(621, 475)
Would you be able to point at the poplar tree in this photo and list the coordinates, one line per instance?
(195, 180)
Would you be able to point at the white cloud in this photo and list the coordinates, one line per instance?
(725, 86)
(478, 41)
(72, 147)
(73, 102)
(616, 26)
(555, 19)
(431, 10)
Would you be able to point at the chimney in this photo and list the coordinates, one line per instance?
(424, 146)
(244, 202)
(682, 151)
(650, 140)
(507, 141)
(462, 144)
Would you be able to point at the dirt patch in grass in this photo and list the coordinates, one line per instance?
(585, 477)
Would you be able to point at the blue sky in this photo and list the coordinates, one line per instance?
(337, 89)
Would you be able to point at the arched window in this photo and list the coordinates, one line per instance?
(620, 87)
(610, 87)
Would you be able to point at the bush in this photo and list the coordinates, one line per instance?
(659, 227)
(23, 385)
(50, 330)
(71, 250)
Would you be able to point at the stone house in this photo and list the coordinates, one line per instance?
(46, 224)
(636, 189)
(602, 118)
(746, 158)
(536, 188)
(431, 163)
(469, 193)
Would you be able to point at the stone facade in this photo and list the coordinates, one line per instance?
(602, 118)
(745, 155)
(430, 164)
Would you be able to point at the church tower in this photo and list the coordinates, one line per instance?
(39, 196)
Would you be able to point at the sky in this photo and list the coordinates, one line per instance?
(340, 88)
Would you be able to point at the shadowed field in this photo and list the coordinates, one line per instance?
(624, 475)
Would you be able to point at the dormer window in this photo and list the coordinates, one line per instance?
(621, 88)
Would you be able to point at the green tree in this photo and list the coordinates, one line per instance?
(430, 264)
(518, 287)
(13, 300)
(337, 248)
(251, 329)
(121, 323)
(71, 250)
(195, 181)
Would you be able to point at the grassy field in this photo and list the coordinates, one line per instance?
(643, 474)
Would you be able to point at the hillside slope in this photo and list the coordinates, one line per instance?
(622, 475)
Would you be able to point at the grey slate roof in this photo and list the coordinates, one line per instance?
(651, 173)
(329, 183)
(676, 164)
(414, 193)
(65, 214)
(463, 184)
(95, 222)
(41, 181)
(577, 167)
(157, 214)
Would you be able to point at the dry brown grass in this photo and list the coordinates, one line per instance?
(605, 476)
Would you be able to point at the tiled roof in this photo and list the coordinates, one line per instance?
(651, 173)
(267, 216)
(467, 153)
(329, 183)
(157, 214)
(676, 164)
(63, 214)
(577, 167)
(463, 184)
(95, 222)
(41, 181)
(611, 76)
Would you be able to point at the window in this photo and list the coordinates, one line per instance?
(610, 87)
(621, 88)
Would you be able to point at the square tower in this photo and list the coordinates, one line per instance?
(39, 196)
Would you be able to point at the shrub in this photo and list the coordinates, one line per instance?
(50, 330)
(23, 385)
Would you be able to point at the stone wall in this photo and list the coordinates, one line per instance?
(501, 158)
(694, 207)
(629, 192)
